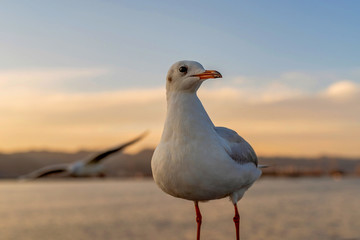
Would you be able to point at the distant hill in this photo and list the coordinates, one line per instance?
(117, 165)
(130, 165)
(295, 167)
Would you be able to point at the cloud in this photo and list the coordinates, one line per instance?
(277, 91)
(342, 89)
(308, 124)
(292, 84)
(250, 90)
(33, 78)
(70, 121)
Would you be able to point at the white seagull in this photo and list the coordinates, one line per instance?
(196, 160)
(83, 168)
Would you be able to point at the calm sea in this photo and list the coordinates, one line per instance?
(291, 209)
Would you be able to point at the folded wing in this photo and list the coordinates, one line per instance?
(238, 149)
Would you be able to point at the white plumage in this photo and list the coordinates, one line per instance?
(196, 160)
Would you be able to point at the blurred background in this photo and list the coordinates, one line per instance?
(80, 77)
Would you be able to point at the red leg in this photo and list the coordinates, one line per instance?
(237, 222)
(198, 220)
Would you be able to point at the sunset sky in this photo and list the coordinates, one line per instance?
(91, 74)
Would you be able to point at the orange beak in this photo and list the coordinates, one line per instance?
(208, 74)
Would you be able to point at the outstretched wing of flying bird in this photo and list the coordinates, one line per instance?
(103, 155)
(45, 171)
(238, 149)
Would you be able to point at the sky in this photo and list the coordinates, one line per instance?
(91, 74)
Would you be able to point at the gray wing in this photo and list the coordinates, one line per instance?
(240, 150)
(103, 155)
(45, 171)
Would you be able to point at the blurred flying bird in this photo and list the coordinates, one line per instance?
(83, 168)
(196, 160)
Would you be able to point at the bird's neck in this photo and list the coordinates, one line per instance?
(185, 113)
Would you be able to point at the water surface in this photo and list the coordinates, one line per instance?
(291, 209)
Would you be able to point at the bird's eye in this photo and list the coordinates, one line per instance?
(183, 69)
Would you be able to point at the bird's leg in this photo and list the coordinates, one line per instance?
(198, 220)
(237, 222)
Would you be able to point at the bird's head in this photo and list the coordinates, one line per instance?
(187, 76)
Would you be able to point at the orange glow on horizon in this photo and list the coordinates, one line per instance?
(302, 126)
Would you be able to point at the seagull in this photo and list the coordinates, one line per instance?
(196, 160)
(82, 168)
